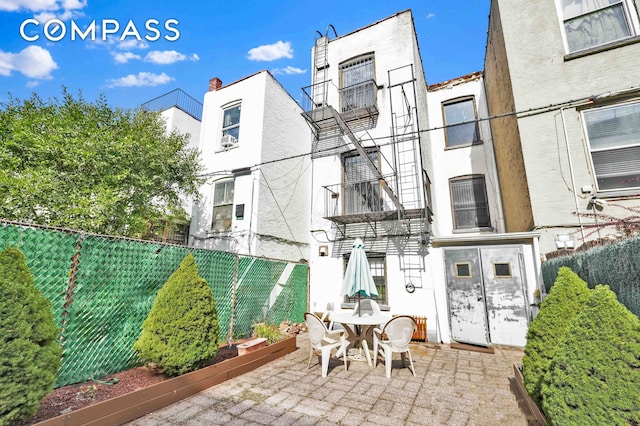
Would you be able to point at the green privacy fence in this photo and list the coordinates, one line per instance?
(102, 289)
(617, 265)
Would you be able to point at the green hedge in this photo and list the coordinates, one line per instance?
(181, 332)
(29, 352)
(548, 329)
(594, 378)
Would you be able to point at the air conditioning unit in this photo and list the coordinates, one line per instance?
(228, 141)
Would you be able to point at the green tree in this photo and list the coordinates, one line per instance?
(594, 378)
(72, 163)
(29, 353)
(181, 332)
(566, 298)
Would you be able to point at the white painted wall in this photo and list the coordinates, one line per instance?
(271, 128)
(464, 160)
(180, 121)
(394, 45)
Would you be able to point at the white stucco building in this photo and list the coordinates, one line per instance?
(181, 113)
(253, 144)
(486, 278)
(427, 203)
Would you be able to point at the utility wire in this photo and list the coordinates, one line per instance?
(520, 114)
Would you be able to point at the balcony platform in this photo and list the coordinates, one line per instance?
(379, 216)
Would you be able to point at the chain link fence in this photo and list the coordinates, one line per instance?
(102, 289)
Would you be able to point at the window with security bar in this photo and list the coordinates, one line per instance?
(593, 23)
(613, 133)
(222, 206)
(361, 192)
(470, 203)
(357, 83)
(378, 266)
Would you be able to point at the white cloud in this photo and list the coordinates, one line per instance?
(33, 83)
(124, 57)
(271, 52)
(33, 62)
(168, 57)
(431, 15)
(131, 44)
(74, 4)
(289, 70)
(35, 5)
(140, 79)
(41, 5)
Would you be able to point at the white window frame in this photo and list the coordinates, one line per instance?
(625, 166)
(486, 208)
(221, 204)
(230, 132)
(468, 122)
(630, 20)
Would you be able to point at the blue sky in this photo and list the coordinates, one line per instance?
(185, 43)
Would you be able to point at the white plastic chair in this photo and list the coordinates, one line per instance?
(398, 332)
(324, 341)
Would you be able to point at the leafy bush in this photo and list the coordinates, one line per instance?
(181, 332)
(565, 299)
(29, 354)
(594, 378)
(269, 331)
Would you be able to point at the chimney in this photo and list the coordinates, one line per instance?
(214, 84)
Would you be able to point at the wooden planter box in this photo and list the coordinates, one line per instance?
(136, 404)
(539, 418)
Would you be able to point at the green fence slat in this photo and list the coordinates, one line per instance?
(102, 289)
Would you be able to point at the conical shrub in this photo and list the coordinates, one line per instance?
(181, 332)
(566, 298)
(594, 378)
(29, 353)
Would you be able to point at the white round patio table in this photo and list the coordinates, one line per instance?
(364, 321)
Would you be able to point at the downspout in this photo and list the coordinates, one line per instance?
(573, 179)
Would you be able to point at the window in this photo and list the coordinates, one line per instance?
(230, 127)
(470, 203)
(591, 23)
(362, 192)
(460, 121)
(358, 88)
(222, 206)
(502, 270)
(463, 270)
(613, 133)
(377, 264)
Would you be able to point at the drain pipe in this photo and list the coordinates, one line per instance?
(573, 179)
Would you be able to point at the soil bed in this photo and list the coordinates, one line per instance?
(73, 397)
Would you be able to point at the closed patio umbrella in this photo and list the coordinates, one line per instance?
(358, 278)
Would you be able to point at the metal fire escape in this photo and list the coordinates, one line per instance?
(387, 205)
